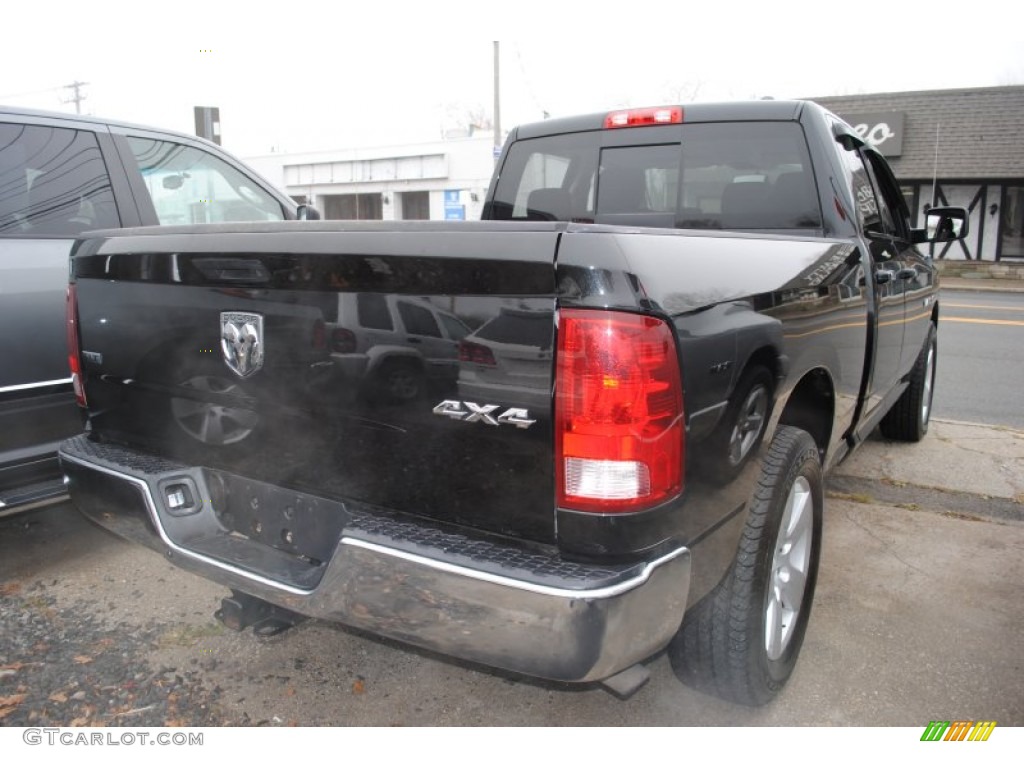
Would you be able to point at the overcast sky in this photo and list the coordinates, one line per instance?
(321, 75)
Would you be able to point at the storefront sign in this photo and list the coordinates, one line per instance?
(882, 130)
(454, 210)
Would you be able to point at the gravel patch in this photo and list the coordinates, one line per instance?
(62, 667)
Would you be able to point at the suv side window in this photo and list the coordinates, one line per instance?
(190, 186)
(456, 328)
(372, 311)
(53, 182)
(417, 320)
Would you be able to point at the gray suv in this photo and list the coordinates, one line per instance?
(61, 175)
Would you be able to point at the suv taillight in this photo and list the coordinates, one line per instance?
(343, 341)
(619, 435)
(74, 355)
(471, 352)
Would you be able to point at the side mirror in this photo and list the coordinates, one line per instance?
(307, 213)
(943, 225)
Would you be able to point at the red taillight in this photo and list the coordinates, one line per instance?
(628, 118)
(343, 341)
(74, 356)
(319, 335)
(618, 412)
(471, 352)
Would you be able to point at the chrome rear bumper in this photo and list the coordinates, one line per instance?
(497, 604)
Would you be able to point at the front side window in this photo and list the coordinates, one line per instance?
(869, 216)
(417, 320)
(191, 186)
(894, 209)
(53, 182)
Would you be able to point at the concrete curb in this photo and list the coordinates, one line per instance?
(960, 468)
(981, 285)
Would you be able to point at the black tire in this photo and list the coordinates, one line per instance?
(908, 418)
(737, 436)
(400, 381)
(741, 642)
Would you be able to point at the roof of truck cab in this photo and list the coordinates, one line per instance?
(24, 112)
(765, 109)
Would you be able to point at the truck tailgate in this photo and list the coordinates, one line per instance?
(332, 360)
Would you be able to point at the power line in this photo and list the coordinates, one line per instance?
(29, 93)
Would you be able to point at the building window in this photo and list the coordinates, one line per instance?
(1012, 228)
(366, 206)
(416, 205)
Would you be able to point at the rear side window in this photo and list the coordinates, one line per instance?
(190, 186)
(373, 312)
(53, 182)
(744, 175)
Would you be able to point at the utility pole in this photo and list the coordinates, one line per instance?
(78, 98)
(497, 104)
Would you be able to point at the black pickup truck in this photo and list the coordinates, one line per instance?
(558, 441)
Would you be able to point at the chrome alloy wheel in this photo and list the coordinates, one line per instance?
(788, 577)
(929, 380)
(209, 422)
(748, 425)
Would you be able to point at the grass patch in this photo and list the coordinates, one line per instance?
(860, 498)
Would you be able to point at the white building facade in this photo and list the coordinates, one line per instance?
(442, 180)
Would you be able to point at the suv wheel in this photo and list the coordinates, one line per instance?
(400, 381)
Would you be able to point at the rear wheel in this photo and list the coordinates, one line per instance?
(739, 433)
(400, 381)
(211, 422)
(741, 642)
(908, 418)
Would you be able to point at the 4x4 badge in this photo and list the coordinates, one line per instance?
(467, 411)
(241, 341)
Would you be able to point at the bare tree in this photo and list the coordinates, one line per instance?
(681, 92)
(464, 119)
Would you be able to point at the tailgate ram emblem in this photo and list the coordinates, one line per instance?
(241, 341)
